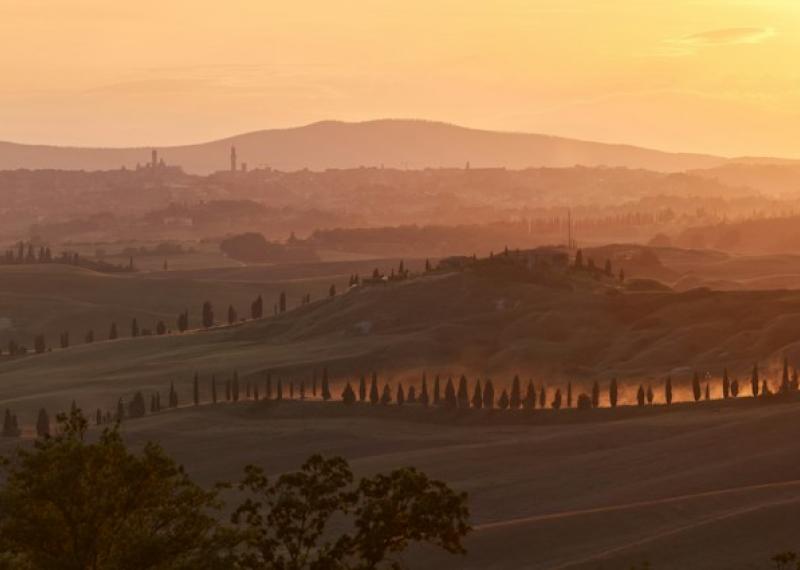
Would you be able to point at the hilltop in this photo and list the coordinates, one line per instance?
(393, 143)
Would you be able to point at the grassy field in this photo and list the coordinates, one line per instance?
(710, 486)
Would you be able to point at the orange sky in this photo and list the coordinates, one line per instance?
(719, 76)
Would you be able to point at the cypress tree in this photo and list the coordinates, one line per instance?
(173, 396)
(42, 424)
(362, 389)
(136, 408)
(463, 393)
(401, 396)
(785, 379)
(515, 399)
(196, 389)
(213, 389)
(235, 386)
(708, 392)
(542, 397)
(120, 410)
(649, 394)
(529, 403)
(765, 389)
(734, 388)
(158, 402)
(232, 316)
(291, 390)
(302, 389)
(477, 396)
(279, 390)
(668, 391)
(754, 381)
(255, 390)
(348, 396)
(326, 392)
(247, 390)
(208, 315)
(282, 302)
(613, 393)
(450, 394)
(227, 390)
(374, 397)
(437, 398)
(314, 383)
(134, 328)
(569, 394)
(411, 397)
(423, 395)
(696, 387)
(640, 396)
(595, 395)
(98, 418)
(726, 385)
(268, 389)
(112, 333)
(488, 394)
(557, 400)
(386, 397)
(503, 402)
(89, 339)
(795, 384)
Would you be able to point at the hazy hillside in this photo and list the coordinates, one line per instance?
(393, 143)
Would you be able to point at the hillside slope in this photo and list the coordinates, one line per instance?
(394, 143)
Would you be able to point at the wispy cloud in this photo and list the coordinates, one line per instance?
(727, 36)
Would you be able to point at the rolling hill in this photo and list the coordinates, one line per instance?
(393, 143)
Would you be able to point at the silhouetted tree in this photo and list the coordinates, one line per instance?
(569, 394)
(314, 383)
(183, 321)
(173, 396)
(411, 397)
(39, 344)
(423, 394)
(556, 404)
(362, 389)
(515, 400)
(463, 394)
(134, 328)
(437, 395)
(374, 397)
(64, 340)
(622, 276)
(42, 424)
(477, 396)
(708, 392)
(649, 394)
(112, 333)
(232, 316)
(754, 381)
(668, 391)
(595, 395)
(734, 388)
(137, 407)
(348, 396)
(213, 389)
(332, 291)
(542, 396)
(529, 403)
(503, 401)
(400, 398)
(268, 387)
(613, 393)
(208, 315)
(795, 384)
(608, 270)
(257, 308)
(326, 391)
(450, 394)
(488, 394)
(726, 384)
(386, 397)
(696, 387)
(579, 259)
(279, 390)
(765, 391)
(785, 378)
(161, 328)
(196, 389)
(584, 402)
(282, 302)
(640, 396)
(235, 386)
(10, 425)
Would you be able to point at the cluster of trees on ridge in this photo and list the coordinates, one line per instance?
(29, 254)
(69, 503)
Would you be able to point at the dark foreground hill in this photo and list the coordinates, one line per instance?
(393, 143)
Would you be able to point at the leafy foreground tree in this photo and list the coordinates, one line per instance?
(68, 504)
(286, 524)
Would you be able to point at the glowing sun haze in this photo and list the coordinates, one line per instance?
(717, 76)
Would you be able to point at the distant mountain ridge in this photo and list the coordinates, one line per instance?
(393, 143)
